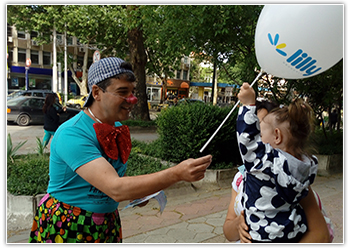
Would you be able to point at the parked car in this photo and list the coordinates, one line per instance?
(77, 102)
(25, 110)
(33, 92)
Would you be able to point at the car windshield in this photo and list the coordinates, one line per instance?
(15, 94)
(15, 101)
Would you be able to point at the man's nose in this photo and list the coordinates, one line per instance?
(131, 99)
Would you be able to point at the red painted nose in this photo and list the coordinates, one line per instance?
(131, 99)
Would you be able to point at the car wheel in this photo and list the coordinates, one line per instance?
(23, 120)
(77, 106)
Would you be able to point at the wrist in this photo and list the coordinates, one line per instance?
(174, 175)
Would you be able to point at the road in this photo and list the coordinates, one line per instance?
(30, 133)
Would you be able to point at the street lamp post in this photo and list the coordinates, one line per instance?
(28, 63)
(65, 68)
(54, 67)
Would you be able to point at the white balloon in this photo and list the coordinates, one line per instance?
(299, 41)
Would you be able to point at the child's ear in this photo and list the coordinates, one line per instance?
(278, 136)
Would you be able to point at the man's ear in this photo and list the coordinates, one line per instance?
(278, 136)
(96, 93)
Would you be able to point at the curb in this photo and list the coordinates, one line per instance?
(21, 209)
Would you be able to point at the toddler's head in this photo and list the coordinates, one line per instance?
(288, 128)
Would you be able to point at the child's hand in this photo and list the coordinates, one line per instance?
(247, 94)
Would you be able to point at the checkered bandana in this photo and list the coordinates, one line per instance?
(103, 69)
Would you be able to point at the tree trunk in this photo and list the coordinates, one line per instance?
(138, 59)
(82, 84)
(84, 78)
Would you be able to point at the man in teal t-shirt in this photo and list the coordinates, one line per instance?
(74, 145)
(88, 160)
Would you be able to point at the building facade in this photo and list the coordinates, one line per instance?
(21, 45)
(175, 87)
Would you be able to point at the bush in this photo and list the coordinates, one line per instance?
(329, 144)
(139, 165)
(28, 175)
(11, 149)
(184, 129)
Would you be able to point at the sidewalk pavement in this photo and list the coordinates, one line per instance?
(197, 216)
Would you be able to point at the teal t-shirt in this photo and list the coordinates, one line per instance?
(73, 145)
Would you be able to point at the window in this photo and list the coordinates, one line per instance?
(34, 56)
(69, 40)
(59, 39)
(178, 74)
(22, 55)
(33, 34)
(155, 94)
(184, 74)
(36, 103)
(38, 94)
(26, 103)
(21, 34)
(46, 58)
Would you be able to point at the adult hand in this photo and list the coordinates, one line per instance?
(192, 170)
(243, 230)
(246, 94)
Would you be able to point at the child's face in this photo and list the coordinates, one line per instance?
(267, 130)
(261, 113)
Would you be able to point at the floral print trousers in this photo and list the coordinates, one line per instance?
(58, 222)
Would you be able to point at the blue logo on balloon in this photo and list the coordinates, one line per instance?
(300, 60)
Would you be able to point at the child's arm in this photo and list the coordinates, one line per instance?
(248, 129)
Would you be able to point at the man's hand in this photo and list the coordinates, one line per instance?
(192, 170)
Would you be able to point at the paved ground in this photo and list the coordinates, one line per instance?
(198, 216)
(190, 216)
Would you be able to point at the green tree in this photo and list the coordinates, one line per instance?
(154, 38)
(324, 91)
(220, 34)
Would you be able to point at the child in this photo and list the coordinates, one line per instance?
(278, 171)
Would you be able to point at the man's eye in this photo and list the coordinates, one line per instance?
(123, 93)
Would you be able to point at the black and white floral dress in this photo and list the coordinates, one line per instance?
(274, 184)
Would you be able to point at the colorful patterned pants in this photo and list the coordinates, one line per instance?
(58, 222)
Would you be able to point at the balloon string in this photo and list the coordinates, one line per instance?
(228, 115)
